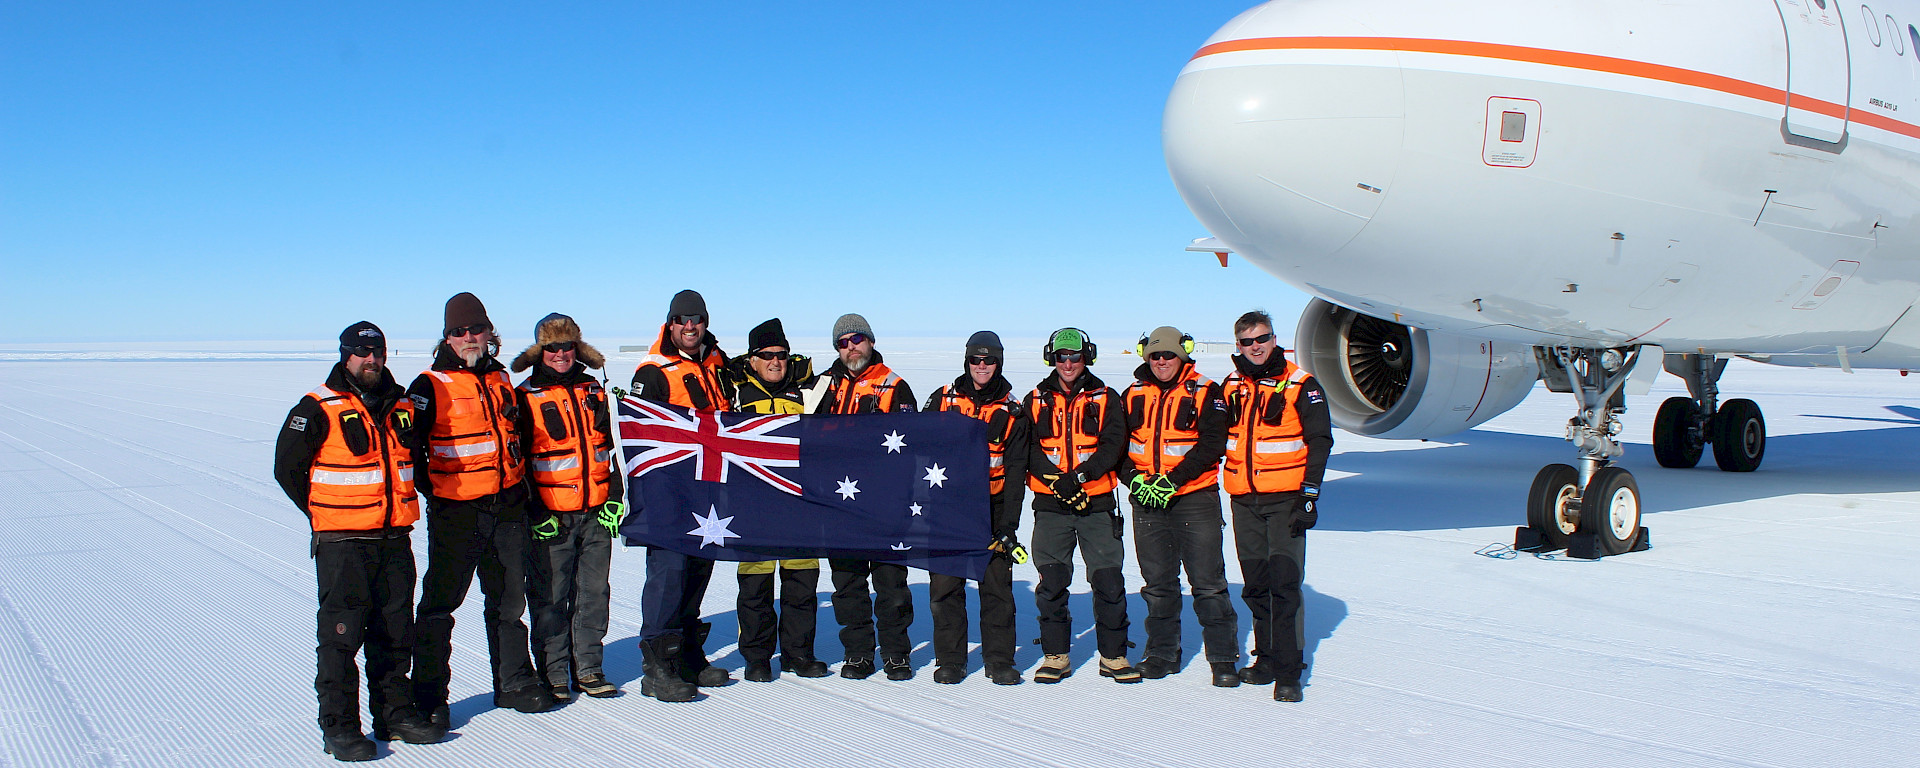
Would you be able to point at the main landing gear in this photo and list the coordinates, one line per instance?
(1685, 426)
(1591, 510)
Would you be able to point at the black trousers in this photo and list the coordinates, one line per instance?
(857, 610)
(1057, 533)
(1188, 533)
(366, 600)
(488, 537)
(947, 601)
(1272, 563)
(796, 618)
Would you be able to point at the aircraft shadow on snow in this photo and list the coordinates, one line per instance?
(1482, 479)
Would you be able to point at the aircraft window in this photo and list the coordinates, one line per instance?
(1513, 126)
(1914, 34)
(1893, 31)
(1821, 3)
(1873, 25)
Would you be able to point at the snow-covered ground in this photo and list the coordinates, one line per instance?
(156, 603)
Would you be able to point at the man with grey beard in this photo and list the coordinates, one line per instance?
(476, 513)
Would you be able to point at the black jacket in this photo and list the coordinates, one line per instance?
(305, 428)
(1109, 452)
(1316, 424)
(1013, 493)
(1212, 428)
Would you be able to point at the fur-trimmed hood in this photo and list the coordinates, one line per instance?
(553, 328)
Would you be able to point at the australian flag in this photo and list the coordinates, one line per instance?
(908, 488)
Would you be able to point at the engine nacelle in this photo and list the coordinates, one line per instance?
(1388, 380)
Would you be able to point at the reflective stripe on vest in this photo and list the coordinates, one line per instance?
(876, 380)
(364, 491)
(1161, 440)
(572, 466)
(1061, 435)
(473, 448)
(996, 444)
(1263, 456)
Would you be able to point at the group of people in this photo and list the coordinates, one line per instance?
(522, 489)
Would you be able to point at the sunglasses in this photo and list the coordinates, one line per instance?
(767, 354)
(1248, 341)
(687, 319)
(849, 340)
(1068, 357)
(1162, 356)
(982, 360)
(560, 346)
(362, 351)
(475, 329)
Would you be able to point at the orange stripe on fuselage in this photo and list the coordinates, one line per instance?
(1569, 59)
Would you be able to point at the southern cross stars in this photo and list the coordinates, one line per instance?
(915, 507)
(894, 441)
(713, 529)
(935, 476)
(849, 488)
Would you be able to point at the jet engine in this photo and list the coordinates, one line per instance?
(1384, 379)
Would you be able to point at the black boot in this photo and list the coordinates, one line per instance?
(898, 668)
(1260, 672)
(1288, 691)
(660, 663)
(1004, 674)
(1154, 667)
(857, 668)
(407, 724)
(758, 672)
(948, 674)
(697, 669)
(348, 746)
(1286, 686)
(530, 698)
(804, 667)
(1224, 675)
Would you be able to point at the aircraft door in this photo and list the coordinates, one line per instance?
(1818, 72)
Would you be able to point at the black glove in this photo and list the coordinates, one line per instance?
(1304, 517)
(1007, 545)
(1066, 489)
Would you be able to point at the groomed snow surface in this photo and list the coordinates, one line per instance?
(157, 603)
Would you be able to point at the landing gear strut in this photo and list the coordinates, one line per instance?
(1686, 425)
(1592, 509)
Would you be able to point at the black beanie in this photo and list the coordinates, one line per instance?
(362, 334)
(463, 310)
(985, 343)
(687, 302)
(767, 334)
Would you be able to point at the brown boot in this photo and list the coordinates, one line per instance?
(1118, 669)
(1053, 669)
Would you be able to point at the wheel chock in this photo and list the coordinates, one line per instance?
(1530, 539)
(1584, 546)
(1643, 542)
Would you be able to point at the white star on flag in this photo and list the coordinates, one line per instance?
(849, 488)
(713, 529)
(894, 441)
(935, 476)
(916, 508)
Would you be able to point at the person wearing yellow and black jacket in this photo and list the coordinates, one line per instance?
(476, 512)
(770, 379)
(684, 369)
(982, 393)
(567, 437)
(1178, 423)
(1278, 440)
(344, 457)
(1079, 439)
(859, 382)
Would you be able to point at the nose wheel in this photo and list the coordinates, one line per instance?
(1591, 510)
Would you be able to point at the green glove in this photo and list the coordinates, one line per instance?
(611, 513)
(546, 529)
(1154, 490)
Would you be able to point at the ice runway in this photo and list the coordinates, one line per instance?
(157, 599)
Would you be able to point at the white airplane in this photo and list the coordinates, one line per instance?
(1483, 194)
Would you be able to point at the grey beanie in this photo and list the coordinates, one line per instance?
(852, 323)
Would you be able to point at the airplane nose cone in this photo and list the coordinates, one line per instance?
(1283, 158)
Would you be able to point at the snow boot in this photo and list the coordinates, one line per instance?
(597, 686)
(1003, 674)
(948, 674)
(758, 672)
(530, 698)
(898, 668)
(804, 667)
(697, 669)
(407, 724)
(1225, 675)
(1288, 691)
(1262, 671)
(857, 668)
(1054, 668)
(1118, 669)
(1154, 667)
(348, 746)
(660, 668)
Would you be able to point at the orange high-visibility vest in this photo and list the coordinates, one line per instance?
(572, 458)
(998, 415)
(1067, 429)
(367, 490)
(1266, 447)
(875, 389)
(1166, 425)
(473, 448)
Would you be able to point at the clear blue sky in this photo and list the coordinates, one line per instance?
(277, 171)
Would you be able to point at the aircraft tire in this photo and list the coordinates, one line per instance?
(1550, 502)
(1671, 446)
(1610, 510)
(1739, 436)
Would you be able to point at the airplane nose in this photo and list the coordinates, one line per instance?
(1284, 159)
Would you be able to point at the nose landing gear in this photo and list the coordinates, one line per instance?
(1592, 510)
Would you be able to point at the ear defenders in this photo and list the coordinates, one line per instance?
(1186, 345)
(1087, 346)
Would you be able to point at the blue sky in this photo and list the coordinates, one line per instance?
(277, 171)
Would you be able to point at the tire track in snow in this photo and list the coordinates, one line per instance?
(97, 743)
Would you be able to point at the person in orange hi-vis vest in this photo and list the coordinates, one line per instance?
(344, 457)
(476, 512)
(1278, 440)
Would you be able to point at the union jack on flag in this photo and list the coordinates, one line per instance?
(656, 436)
